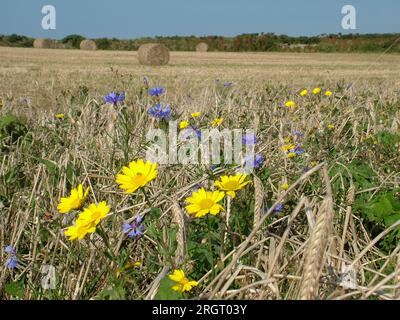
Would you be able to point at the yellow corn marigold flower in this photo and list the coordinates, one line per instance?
(196, 114)
(130, 265)
(284, 186)
(230, 184)
(316, 90)
(288, 147)
(60, 115)
(137, 175)
(202, 202)
(94, 214)
(331, 126)
(217, 122)
(291, 155)
(183, 284)
(288, 140)
(313, 163)
(290, 104)
(77, 231)
(75, 201)
(328, 93)
(183, 124)
(304, 92)
(87, 221)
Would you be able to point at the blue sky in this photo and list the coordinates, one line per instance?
(132, 18)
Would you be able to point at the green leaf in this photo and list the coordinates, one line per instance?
(156, 212)
(388, 140)
(50, 165)
(15, 289)
(11, 175)
(392, 219)
(113, 293)
(152, 231)
(7, 120)
(70, 173)
(362, 173)
(382, 207)
(165, 291)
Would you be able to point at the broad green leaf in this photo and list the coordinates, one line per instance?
(15, 289)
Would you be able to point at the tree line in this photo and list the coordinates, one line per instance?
(257, 42)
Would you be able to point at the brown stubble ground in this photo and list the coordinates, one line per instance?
(41, 75)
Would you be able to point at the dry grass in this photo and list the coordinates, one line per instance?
(297, 253)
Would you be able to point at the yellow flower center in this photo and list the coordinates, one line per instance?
(96, 215)
(76, 203)
(139, 179)
(206, 204)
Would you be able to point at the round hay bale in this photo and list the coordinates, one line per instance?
(202, 47)
(88, 45)
(153, 54)
(42, 43)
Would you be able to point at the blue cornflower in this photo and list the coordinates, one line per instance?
(298, 150)
(197, 131)
(156, 91)
(197, 186)
(12, 262)
(10, 250)
(298, 133)
(135, 228)
(249, 138)
(146, 81)
(187, 133)
(256, 162)
(25, 100)
(114, 98)
(278, 208)
(159, 111)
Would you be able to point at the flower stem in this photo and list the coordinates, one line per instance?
(228, 215)
(147, 198)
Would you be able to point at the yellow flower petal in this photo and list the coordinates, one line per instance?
(137, 175)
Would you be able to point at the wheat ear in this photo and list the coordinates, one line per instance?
(259, 198)
(318, 243)
(179, 219)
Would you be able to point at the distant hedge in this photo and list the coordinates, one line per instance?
(16, 40)
(72, 41)
(246, 42)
